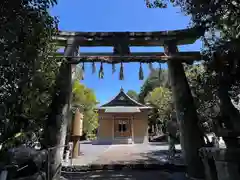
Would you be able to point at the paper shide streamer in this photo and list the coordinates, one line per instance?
(113, 68)
(93, 67)
(141, 75)
(83, 71)
(160, 71)
(101, 73)
(121, 73)
(150, 66)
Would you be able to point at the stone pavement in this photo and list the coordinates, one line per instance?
(90, 154)
(125, 154)
(119, 154)
(134, 154)
(125, 175)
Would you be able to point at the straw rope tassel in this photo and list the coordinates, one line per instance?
(150, 65)
(101, 73)
(93, 67)
(141, 76)
(83, 71)
(160, 71)
(113, 68)
(121, 73)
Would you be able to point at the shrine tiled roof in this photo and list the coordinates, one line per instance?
(122, 109)
(123, 100)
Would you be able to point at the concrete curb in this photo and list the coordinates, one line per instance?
(140, 166)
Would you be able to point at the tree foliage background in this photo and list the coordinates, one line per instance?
(157, 91)
(27, 74)
(85, 98)
(133, 94)
(161, 99)
(221, 51)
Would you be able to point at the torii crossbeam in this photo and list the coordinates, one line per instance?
(144, 57)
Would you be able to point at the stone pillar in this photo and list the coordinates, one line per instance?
(221, 164)
(191, 136)
(227, 163)
(70, 50)
(56, 125)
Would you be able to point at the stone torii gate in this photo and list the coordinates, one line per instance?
(191, 137)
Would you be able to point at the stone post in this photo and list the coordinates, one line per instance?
(191, 136)
(227, 163)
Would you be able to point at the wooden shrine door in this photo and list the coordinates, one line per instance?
(122, 127)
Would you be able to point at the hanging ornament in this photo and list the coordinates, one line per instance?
(101, 73)
(121, 74)
(83, 66)
(77, 51)
(159, 71)
(150, 65)
(141, 76)
(83, 70)
(93, 67)
(113, 68)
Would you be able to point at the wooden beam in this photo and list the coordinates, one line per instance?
(101, 54)
(184, 36)
(145, 57)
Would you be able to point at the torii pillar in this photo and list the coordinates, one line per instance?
(191, 136)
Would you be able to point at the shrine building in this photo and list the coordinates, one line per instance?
(123, 121)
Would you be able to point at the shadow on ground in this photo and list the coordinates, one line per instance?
(150, 157)
(152, 165)
(87, 142)
(94, 143)
(158, 144)
(125, 175)
(161, 156)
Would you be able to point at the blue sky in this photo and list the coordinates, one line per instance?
(118, 15)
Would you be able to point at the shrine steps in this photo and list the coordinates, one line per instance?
(122, 140)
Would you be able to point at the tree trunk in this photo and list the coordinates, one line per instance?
(227, 106)
(230, 114)
(56, 125)
(191, 137)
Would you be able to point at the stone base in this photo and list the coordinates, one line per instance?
(225, 163)
(105, 141)
(140, 140)
(192, 178)
(122, 140)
